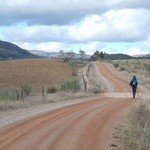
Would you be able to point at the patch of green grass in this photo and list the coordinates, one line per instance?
(26, 88)
(71, 85)
(8, 95)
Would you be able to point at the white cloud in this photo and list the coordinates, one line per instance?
(115, 25)
(57, 46)
(146, 44)
(47, 46)
(90, 47)
(125, 25)
(134, 51)
(88, 29)
(69, 24)
(46, 12)
(36, 34)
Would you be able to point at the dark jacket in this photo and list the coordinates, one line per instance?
(134, 82)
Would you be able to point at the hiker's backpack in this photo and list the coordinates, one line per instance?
(134, 83)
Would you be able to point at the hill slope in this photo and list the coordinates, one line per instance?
(117, 56)
(147, 56)
(12, 51)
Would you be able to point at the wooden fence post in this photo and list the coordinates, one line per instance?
(21, 95)
(84, 82)
(43, 93)
(17, 94)
(62, 87)
(85, 85)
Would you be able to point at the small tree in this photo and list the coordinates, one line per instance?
(70, 55)
(26, 88)
(62, 55)
(95, 56)
(71, 85)
(66, 56)
(51, 90)
(101, 55)
(72, 64)
(82, 55)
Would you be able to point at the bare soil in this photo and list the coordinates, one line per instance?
(36, 72)
(82, 126)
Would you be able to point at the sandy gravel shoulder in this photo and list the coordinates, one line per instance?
(18, 115)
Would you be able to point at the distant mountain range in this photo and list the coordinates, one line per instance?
(54, 54)
(77, 56)
(12, 51)
(147, 56)
(142, 56)
(117, 56)
(44, 54)
(124, 56)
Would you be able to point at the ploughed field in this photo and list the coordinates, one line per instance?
(36, 72)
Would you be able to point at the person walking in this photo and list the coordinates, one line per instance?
(134, 84)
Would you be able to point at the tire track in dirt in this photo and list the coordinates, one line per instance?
(101, 123)
(87, 130)
(70, 123)
(81, 126)
(119, 84)
(35, 122)
(75, 123)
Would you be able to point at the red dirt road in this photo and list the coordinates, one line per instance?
(81, 126)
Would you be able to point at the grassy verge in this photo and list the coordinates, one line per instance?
(35, 100)
(69, 90)
(138, 67)
(135, 131)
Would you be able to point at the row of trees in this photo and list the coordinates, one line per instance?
(97, 56)
(70, 55)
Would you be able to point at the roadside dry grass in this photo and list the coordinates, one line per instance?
(134, 131)
(138, 67)
(92, 78)
(35, 100)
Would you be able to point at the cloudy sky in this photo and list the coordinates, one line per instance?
(112, 26)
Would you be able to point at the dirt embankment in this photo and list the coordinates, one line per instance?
(82, 126)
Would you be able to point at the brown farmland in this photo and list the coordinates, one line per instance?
(37, 72)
